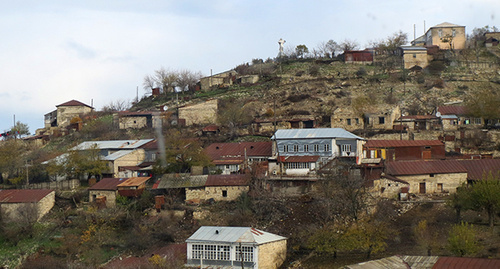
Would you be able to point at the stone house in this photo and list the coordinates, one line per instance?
(199, 114)
(233, 157)
(417, 123)
(445, 35)
(223, 79)
(390, 187)
(414, 56)
(442, 176)
(380, 117)
(16, 205)
(235, 247)
(266, 126)
(457, 117)
(105, 191)
(138, 119)
(65, 112)
(403, 150)
(320, 145)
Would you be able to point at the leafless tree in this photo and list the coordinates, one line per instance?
(348, 45)
(166, 79)
(187, 80)
(328, 49)
(149, 83)
(115, 106)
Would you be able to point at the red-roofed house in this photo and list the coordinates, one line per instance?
(429, 176)
(398, 150)
(219, 188)
(454, 116)
(231, 157)
(65, 112)
(17, 204)
(478, 169)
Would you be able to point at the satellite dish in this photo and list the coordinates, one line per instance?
(165, 108)
(438, 114)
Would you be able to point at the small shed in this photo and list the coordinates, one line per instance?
(132, 187)
(18, 204)
(105, 190)
(235, 247)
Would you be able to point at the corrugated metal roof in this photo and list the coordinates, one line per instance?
(236, 151)
(300, 159)
(107, 184)
(465, 263)
(23, 196)
(424, 167)
(227, 180)
(117, 155)
(398, 262)
(401, 143)
(452, 110)
(73, 103)
(314, 133)
(133, 181)
(112, 144)
(247, 235)
(477, 168)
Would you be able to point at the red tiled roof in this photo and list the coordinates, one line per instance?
(133, 182)
(227, 180)
(401, 143)
(73, 103)
(221, 151)
(452, 110)
(108, 184)
(211, 128)
(477, 168)
(23, 196)
(465, 263)
(424, 167)
(300, 159)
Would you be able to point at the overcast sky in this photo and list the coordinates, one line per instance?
(99, 51)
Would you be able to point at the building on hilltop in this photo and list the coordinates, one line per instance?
(447, 36)
(65, 113)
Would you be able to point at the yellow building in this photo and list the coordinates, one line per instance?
(414, 56)
(445, 35)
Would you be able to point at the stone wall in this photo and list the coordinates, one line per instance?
(450, 182)
(272, 255)
(132, 159)
(66, 113)
(216, 193)
(200, 114)
(19, 211)
(133, 122)
(110, 196)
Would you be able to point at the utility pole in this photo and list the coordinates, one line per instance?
(27, 165)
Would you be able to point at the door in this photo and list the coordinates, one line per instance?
(422, 187)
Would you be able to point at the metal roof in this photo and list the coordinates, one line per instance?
(174, 181)
(465, 263)
(398, 262)
(107, 184)
(476, 169)
(216, 234)
(314, 133)
(117, 155)
(133, 182)
(300, 159)
(424, 167)
(73, 103)
(112, 144)
(452, 110)
(227, 180)
(401, 143)
(23, 196)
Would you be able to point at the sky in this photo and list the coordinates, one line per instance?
(98, 52)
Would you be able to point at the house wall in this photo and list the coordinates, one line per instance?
(110, 196)
(66, 113)
(200, 114)
(450, 182)
(212, 192)
(17, 211)
(272, 255)
(133, 122)
(436, 34)
(418, 58)
(387, 188)
(134, 158)
(350, 121)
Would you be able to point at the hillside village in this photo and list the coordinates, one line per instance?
(388, 155)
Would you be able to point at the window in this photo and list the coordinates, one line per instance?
(348, 121)
(297, 165)
(223, 253)
(346, 148)
(477, 120)
(316, 148)
(285, 148)
(327, 147)
(306, 148)
(440, 187)
(453, 32)
(431, 175)
(357, 120)
(440, 33)
(197, 251)
(244, 252)
(414, 55)
(224, 193)
(296, 148)
(381, 120)
(210, 252)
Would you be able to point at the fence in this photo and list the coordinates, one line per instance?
(55, 185)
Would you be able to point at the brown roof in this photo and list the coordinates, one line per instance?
(23, 196)
(133, 182)
(419, 117)
(424, 167)
(73, 103)
(401, 143)
(150, 145)
(136, 113)
(227, 180)
(452, 110)
(300, 159)
(211, 128)
(221, 151)
(477, 168)
(107, 184)
(465, 263)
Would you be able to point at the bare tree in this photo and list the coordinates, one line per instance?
(166, 79)
(115, 106)
(348, 45)
(148, 84)
(187, 80)
(328, 49)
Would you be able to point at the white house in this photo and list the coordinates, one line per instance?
(234, 247)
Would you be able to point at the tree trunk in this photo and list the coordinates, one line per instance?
(491, 216)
